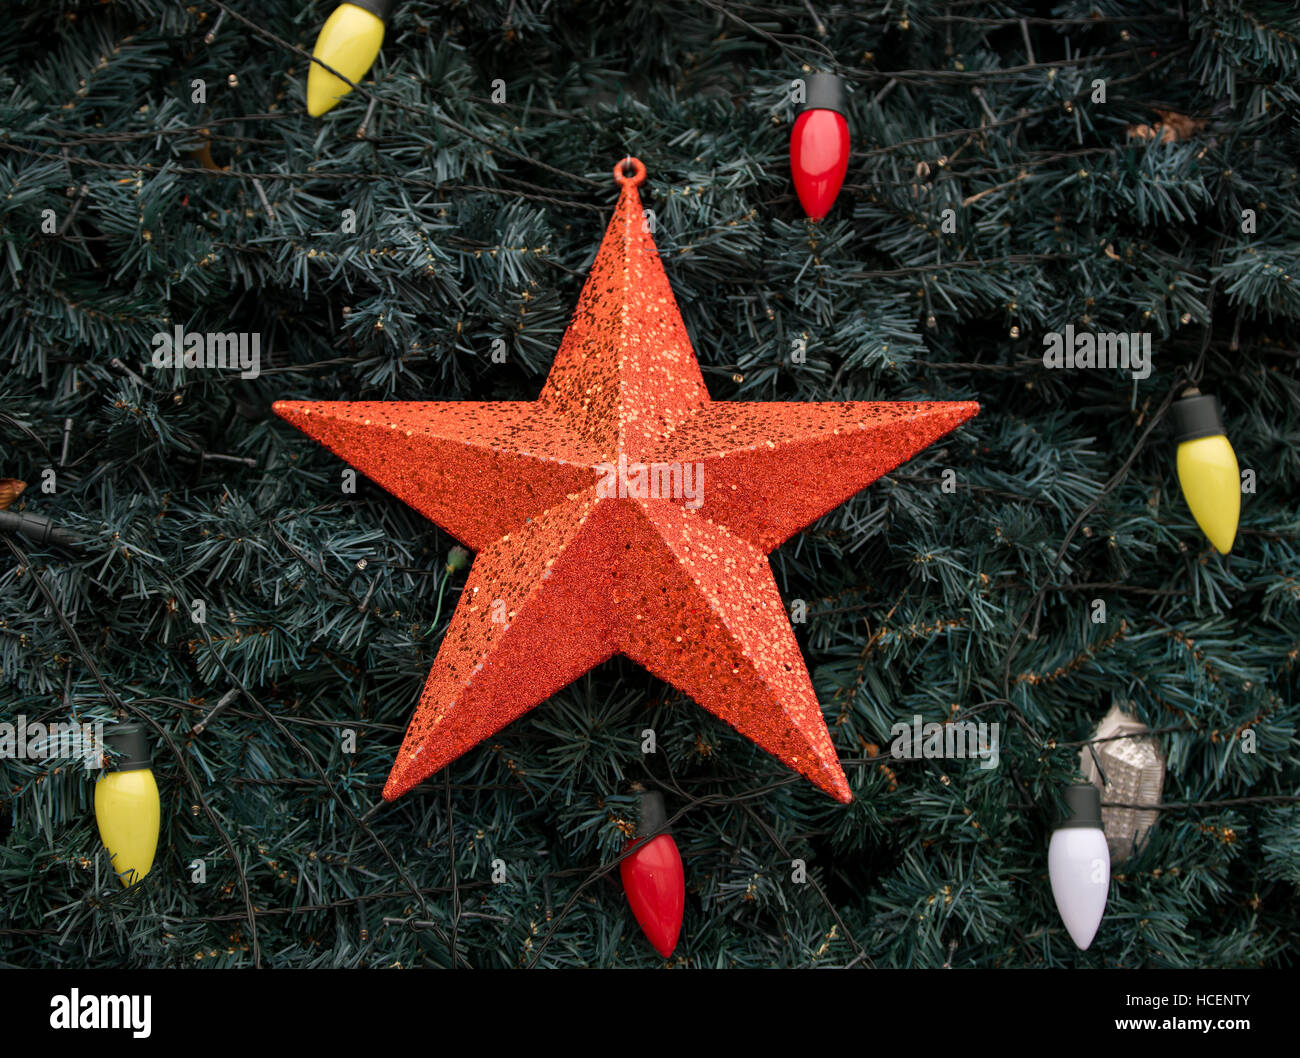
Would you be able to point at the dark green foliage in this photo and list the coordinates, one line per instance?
(476, 221)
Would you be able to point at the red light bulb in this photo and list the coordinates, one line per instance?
(653, 878)
(819, 145)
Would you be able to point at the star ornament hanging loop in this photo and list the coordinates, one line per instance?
(622, 512)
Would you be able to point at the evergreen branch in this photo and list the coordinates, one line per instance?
(442, 117)
(112, 698)
(1193, 376)
(331, 788)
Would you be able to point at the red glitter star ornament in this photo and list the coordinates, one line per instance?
(622, 512)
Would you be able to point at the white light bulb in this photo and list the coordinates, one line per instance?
(1078, 863)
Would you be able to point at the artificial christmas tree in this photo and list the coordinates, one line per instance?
(179, 556)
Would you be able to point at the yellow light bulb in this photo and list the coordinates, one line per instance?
(1207, 467)
(1211, 482)
(127, 807)
(349, 41)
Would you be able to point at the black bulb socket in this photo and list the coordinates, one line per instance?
(381, 9)
(823, 91)
(1082, 807)
(1198, 415)
(129, 744)
(654, 816)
